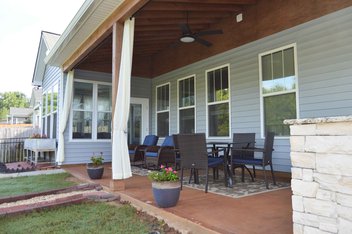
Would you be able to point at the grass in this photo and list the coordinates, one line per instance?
(31, 184)
(83, 218)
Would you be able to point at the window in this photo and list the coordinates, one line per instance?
(278, 89)
(186, 105)
(218, 96)
(163, 109)
(91, 111)
(49, 111)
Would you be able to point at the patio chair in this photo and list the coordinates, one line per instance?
(265, 160)
(165, 154)
(240, 141)
(136, 152)
(194, 155)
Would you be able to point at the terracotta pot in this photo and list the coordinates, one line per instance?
(166, 194)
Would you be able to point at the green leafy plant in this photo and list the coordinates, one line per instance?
(97, 160)
(164, 174)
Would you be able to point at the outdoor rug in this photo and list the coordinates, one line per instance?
(240, 189)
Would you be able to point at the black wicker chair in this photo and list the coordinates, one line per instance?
(265, 160)
(194, 155)
(241, 141)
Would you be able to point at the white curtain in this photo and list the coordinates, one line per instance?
(121, 167)
(64, 113)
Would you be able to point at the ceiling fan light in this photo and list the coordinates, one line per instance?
(187, 39)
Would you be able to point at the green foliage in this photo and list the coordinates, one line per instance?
(11, 99)
(31, 184)
(81, 218)
(97, 160)
(165, 174)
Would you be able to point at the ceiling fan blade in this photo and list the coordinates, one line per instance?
(209, 32)
(203, 42)
(185, 29)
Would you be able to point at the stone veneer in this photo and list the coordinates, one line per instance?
(321, 157)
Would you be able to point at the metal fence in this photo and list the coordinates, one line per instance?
(11, 150)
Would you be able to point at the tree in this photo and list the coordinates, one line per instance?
(11, 99)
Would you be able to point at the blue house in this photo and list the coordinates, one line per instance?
(218, 67)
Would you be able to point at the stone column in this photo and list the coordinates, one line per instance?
(321, 157)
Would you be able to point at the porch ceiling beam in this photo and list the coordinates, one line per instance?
(171, 21)
(123, 12)
(156, 28)
(175, 6)
(180, 14)
(244, 2)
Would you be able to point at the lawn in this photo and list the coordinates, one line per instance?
(82, 218)
(31, 184)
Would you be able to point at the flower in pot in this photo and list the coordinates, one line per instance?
(166, 186)
(95, 169)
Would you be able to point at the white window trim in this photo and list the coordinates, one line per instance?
(50, 115)
(187, 107)
(94, 113)
(294, 46)
(163, 111)
(218, 102)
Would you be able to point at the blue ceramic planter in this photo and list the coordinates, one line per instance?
(166, 194)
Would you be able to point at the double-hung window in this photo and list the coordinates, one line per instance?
(278, 78)
(163, 109)
(91, 111)
(186, 104)
(218, 102)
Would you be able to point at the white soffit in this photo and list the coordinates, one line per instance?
(89, 17)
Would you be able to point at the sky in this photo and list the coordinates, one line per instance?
(21, 22)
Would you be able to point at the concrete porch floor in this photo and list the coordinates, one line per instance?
(199, 212)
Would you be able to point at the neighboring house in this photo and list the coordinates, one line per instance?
(35, 104)
(275, 60)
(19, 115)
(44, 99)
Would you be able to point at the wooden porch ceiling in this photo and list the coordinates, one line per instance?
(157, 27)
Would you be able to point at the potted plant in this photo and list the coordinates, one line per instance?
(95, 169)
(166, 186)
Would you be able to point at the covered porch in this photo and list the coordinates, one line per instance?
(199, 212)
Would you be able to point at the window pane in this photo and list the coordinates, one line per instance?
(162, 97)
(163, 124)
(289, 64)
(44, 104)
(266, 67)
(187, 121)
(218, 85)
(55, 97)
(104, 98)
(135, 124)
(49, 102)
(48, 127)
(82, 125)
(82, 99)
(277, 65)
(104, 126)
(43, 126)
(219, 120)
(211, 88)
(186, 92)
(54, 124)
(276, 110)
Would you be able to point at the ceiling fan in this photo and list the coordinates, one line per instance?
(188, 36)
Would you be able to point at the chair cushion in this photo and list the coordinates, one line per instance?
(247, 161)
(151, 154)
(150, 140)
(213, 162)
(169, 141)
